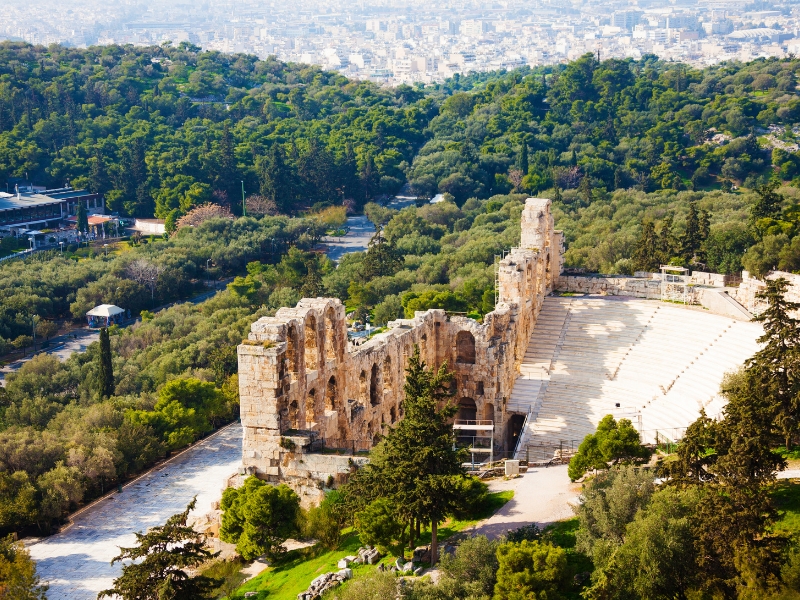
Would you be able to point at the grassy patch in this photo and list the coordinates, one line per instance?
(563, 534)
(786, 495)
(293, 572)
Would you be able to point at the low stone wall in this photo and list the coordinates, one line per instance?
(611, 286)
(717, 299)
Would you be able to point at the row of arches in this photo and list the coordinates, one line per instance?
(311, 354)
(311, 413)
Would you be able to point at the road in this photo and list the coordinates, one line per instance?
(76, 562)
(360, 232)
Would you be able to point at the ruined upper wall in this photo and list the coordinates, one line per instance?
(299, 379)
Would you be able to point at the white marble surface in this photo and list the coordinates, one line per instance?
(76, 562)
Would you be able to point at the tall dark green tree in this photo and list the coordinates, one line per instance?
(645, 255)
(382, 257)
(522, 159)
(278, 179)
(777, 364)
(106, 370)
(82, 222)
(369, 178)
(416, 466)
(768, 203)
(692, 239)
(161, 563)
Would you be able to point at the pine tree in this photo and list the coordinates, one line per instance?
(422, 448)
(382, 258)
(106, 371)
(768, 203)
(98, 179)
(585, 190)
(557, 193)
(369, 178)
(161, 563)
(777, 364)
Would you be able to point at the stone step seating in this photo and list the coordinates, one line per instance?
(662, 361)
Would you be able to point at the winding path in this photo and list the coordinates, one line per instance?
(76, 562)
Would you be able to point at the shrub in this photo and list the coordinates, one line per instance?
(531, 570)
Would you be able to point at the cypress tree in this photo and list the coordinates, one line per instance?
(522, 159)
(106, 376)
(83, 221)
(645, 254)
(691, 240)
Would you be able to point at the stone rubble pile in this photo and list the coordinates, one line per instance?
(325, 582)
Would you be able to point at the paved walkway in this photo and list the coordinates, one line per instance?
(76, 563)
(541, 496)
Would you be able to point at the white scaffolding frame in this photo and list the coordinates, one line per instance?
(675, 282)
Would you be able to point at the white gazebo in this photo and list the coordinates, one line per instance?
(105, 315)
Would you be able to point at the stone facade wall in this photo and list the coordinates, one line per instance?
(745, 294)
(301, 386)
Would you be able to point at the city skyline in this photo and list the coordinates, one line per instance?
(396, 42)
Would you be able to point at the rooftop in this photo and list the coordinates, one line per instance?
(33, 199)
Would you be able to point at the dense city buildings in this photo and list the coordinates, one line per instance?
(396, 42)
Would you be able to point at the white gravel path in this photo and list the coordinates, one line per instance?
(542, 495)
(76, 562)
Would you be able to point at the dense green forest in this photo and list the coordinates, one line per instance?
(645, 161)
(160, 130)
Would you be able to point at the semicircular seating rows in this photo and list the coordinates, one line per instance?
(649, 361)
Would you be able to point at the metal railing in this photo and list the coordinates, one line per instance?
(479, 423)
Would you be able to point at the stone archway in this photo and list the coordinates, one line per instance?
(311, 413)
(311, 350)
(291, 351)
(330, 394)
(331, 350)
(374, 398)
(465, 348)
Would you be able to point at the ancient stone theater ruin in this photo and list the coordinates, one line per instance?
(540, 371)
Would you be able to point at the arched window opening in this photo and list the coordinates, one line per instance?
(467, 411)
(330, 334)
(291, 351)
(294, 415)
(312, 354)
(373, 386)
(311, 413)
(362, 387)
(330, 394)
(488, 412)
(387, 374)
(465, 348)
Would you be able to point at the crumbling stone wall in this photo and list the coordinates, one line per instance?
(301, 387)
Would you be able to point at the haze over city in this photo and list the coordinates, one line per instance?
(397, 42)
